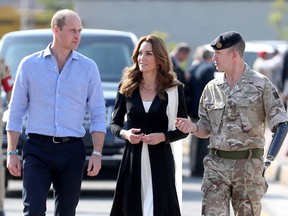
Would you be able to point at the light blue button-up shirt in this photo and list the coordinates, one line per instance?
(55, 102)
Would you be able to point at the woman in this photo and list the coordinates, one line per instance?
(146, 179)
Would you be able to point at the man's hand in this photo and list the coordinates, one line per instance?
(14, 165)
(94, 165)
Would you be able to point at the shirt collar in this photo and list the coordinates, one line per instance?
(221, 81)
(47, 52)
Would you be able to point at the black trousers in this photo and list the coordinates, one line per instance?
(46, 163)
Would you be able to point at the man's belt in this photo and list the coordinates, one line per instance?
(51, 138)
(238, 155)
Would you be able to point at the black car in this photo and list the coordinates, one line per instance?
(111, 50)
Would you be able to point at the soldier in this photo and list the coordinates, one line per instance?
(233, 111)
(6, 82)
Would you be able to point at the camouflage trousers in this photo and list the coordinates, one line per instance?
(238, 182)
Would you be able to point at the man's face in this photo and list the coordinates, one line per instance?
(184, 56)
(70, 35)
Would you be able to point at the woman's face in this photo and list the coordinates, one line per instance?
(146, 59)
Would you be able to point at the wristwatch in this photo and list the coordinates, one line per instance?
(97, 153)
(122, 134)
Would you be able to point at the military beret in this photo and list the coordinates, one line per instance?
(226, 40)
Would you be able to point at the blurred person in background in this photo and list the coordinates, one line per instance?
(197, 56)
(178, 55)
(271, 66)
(199, 75)
(259, 63)
(275, 63)
(6, 84)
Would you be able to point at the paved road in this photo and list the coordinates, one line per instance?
(96, 198)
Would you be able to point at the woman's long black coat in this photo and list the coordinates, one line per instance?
(127, 198)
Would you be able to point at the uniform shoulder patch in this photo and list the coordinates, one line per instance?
(275, 93)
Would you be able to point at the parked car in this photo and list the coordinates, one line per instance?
(111, 50)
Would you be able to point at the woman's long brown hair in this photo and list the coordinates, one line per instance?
(165, 78)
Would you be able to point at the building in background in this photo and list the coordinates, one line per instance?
(9, 19)
(193, 21)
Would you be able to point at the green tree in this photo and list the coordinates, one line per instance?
(278, 17)
(164, 36)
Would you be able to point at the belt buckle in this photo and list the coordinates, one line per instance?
(53, 139)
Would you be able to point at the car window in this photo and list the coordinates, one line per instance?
(16, 52)
(14, 49)
(111, 58)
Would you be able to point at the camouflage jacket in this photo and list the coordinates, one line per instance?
(236, 118)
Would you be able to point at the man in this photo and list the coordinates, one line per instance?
(233, 111)
(199, 75)
(180, 54)
(6, 83)
(55, 87)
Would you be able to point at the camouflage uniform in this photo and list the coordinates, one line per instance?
(236, 119)
(6, 83)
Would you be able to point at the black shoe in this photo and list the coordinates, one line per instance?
(2, 213)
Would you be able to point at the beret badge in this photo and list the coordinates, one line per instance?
(218, 45)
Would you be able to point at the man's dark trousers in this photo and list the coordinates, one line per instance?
(46, 162)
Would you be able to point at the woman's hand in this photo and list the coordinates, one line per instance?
(153, 138)
(133, 135)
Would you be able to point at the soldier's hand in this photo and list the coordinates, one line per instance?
(185, 125)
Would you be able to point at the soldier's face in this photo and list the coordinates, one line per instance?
(222, 59)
